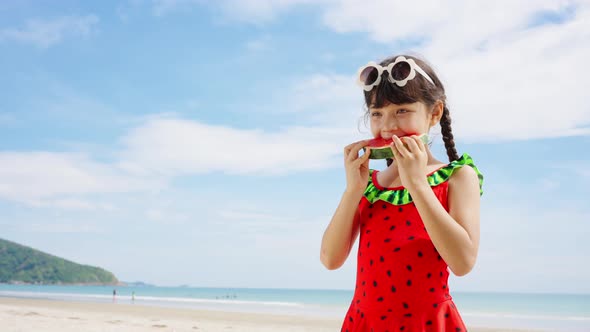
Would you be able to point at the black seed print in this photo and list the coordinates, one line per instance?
(364, 294)
(358, 301)
(409, 267)
(371, 206)
(362, 315)
(419, 253)
(374, 283)
(408, 315)
(367, 231)
(397, 249)
(389, 310)
(371, 262)
(350, 318)
(429, 322)
(368, 244)
(411, 238)
(432, 290)
(386, 218)
(408, 222)
(370, 215)
(393, 289)
(382, 259)
(444, 286)
(358, 311)
(400, 209)
(387, 240)
(441, 274)
(409, 283)
(458, 329)
(363, 225)
(428, 275)
(385, 206)
(406, 306)
(380, 299)
(362, 269)
(435, 305)
(402, 328)
(447, 315)
(438, 257)
(389, 273)
(383, 317)
(391, 228)
(424, 228)
(363, 283)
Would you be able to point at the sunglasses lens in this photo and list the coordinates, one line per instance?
(369, 75)
(400, 71)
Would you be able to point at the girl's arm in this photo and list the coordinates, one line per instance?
(342, 231)
(455, 234)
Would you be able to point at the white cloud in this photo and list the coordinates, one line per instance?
(68, 227)
(49, 179)
(45, 33)
(171, 146)
(507, 76)
(523, 80)
(71, 204)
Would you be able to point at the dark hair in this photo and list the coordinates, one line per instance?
(418, 89)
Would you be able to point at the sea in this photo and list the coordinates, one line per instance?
(550, 312)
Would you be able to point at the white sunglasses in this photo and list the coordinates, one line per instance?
(400, 72)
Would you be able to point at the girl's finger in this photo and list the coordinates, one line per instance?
(396, 154)
(412, 145)
(420, 143)
(354, 150)
(400, 147)
(364, 158)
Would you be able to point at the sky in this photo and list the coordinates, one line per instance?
(191, 142)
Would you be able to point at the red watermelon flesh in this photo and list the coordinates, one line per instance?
(381, 147)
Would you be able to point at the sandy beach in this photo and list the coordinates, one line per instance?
(24, 315)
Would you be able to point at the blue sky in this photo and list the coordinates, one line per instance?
(193, 142)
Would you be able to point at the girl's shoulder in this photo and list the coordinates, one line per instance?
(457, 167)
(400, 195)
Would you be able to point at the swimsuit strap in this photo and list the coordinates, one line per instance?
(402, 196)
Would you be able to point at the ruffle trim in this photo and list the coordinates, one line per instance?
(402, 196)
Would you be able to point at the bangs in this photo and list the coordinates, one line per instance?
(389, 93)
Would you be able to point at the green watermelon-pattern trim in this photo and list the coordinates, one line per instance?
(402, 196)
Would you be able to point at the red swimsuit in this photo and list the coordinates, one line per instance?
(401, 282)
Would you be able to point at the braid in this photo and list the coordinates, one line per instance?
(447, 135)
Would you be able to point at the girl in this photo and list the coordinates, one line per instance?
(416, 218)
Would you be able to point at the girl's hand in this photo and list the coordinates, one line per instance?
(357, 168)
(411, 160)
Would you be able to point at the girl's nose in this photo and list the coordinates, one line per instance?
(390, 123)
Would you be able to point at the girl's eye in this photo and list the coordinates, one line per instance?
(375, 114)
(402, 111)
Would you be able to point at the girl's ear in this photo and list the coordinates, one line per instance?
(437, 112)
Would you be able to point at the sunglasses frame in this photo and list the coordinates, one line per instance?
(380, 69)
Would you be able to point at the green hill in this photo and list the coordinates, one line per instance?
(21, 264)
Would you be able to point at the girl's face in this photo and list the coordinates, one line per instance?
(402, 120)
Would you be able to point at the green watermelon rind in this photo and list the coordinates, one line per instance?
(386, 152)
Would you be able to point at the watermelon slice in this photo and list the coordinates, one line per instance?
(380, 147)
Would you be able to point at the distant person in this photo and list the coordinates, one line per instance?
(114, 295)
(418, 218)
(133, 296)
